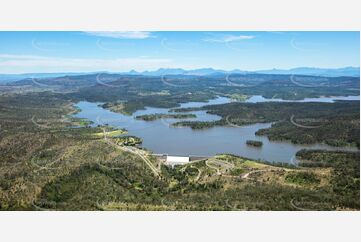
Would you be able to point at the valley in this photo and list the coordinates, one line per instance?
(81, 144)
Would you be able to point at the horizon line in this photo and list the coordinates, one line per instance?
(172, 68)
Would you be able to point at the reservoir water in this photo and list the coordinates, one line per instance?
(258, 99)
(160, 137)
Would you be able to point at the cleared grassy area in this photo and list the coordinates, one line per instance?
(112, 133)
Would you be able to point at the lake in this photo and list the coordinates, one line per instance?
(258, 99)
(160, 137)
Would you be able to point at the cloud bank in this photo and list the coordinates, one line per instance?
(31, 63)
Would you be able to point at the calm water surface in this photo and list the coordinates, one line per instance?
(160, 137)
(258, 99)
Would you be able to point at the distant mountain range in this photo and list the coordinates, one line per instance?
(179, 71)
(346, 71)
(15, 77)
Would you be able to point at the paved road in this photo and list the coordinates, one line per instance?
(192, 166)
(245, 176)
(213, 167)
(223, 164)
(199, 173)
(134, 151)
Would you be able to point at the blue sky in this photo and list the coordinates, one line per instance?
(26, 52)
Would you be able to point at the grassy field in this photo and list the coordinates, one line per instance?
(111, 133)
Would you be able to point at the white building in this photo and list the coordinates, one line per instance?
(176, 160)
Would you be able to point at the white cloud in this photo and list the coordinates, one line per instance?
(228, 38)
(121, 34)
(29, 63)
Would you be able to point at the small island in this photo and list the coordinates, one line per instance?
(117, 107)
(152, 117)
(254, 143)
(197, 124)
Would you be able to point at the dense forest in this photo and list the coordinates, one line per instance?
(345, 176)
(135, 92)
(336, 124)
